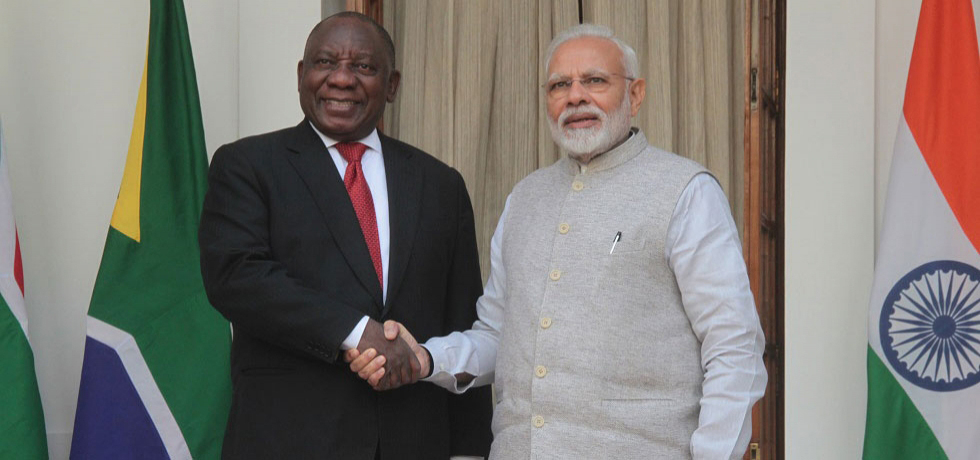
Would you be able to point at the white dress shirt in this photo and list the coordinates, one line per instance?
(701, 234)
(373, 165)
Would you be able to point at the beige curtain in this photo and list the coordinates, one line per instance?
(691, 55)
(472, 69)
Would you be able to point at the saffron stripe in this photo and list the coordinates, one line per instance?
(942, 105)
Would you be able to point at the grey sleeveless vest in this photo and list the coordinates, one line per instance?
(597, 357)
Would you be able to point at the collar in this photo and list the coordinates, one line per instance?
(631, 147)
(371, 140)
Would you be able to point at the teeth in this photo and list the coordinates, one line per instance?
(340, 103)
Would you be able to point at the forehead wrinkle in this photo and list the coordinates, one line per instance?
(345, 54)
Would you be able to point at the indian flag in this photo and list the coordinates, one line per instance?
(155, 378)
(924, 331)
(22, 432)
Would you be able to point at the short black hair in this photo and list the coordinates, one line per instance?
(389, 44)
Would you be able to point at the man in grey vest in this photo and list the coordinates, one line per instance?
(617, 321)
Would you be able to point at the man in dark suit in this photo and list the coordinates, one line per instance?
(313, 235)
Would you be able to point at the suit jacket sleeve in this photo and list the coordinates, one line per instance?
(470, 413)
(243, 279)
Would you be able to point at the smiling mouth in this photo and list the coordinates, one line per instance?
(339, 103)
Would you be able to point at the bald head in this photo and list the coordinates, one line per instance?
(389, 45)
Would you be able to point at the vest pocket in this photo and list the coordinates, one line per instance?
(623, 277)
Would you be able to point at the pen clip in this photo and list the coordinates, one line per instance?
(615, 240)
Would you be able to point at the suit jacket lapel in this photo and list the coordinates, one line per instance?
(404, 179)
(312, 162)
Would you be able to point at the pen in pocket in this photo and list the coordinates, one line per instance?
(615, 240)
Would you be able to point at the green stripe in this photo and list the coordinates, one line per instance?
(153, 289)
(22, 433)
(895, 429)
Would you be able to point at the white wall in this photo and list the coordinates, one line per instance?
(270, 45)
(69, 75)
(830, 135)
(895, 35)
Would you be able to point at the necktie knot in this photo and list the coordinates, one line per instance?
(351, 151)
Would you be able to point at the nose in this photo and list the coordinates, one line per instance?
(577, 94)
(341, 77)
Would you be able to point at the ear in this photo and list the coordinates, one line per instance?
(638, 90)
(299, 75)
(392, 89)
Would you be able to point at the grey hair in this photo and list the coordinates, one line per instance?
(630, 63)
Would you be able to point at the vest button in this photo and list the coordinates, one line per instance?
(578, 186)
(540, 371)
(538, 421)
(555, 275)
(545, 323)
(563, 228)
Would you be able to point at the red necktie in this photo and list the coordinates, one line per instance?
(360, 197)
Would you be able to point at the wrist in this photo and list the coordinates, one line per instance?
(427, 364)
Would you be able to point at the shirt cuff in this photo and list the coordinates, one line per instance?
(354, 337)
(441, 374)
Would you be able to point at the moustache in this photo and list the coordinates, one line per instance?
(570, 112)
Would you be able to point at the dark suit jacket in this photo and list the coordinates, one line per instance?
(284, 259)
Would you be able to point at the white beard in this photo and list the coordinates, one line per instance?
(585, 143)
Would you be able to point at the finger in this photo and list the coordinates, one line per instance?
(351, 354)
(357, 364)
(372, 367)
(407, 336)
(375, 379)
(391, 329)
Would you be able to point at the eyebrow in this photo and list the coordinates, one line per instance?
(332, 52)
(591, 72)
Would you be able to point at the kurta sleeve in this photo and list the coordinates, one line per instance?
(703, 250)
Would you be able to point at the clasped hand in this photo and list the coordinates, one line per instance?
(388, 357)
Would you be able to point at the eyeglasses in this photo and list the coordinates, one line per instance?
(594, 84)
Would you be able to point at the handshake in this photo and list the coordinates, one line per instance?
(388, 356)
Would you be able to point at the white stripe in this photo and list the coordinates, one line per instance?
(919, 227)
(9, 288)
(132, 359)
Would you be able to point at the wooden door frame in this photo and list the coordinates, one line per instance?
(763, 237)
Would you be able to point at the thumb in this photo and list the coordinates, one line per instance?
(391, 329)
